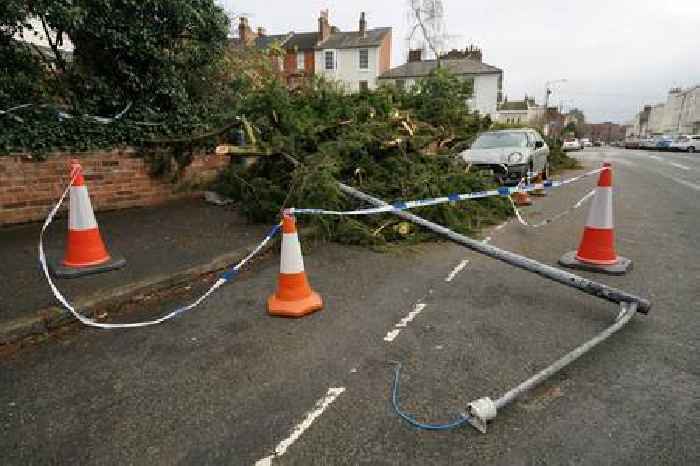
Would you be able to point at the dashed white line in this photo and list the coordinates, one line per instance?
(655, 157)
(417, 309)
(678, 165)
(320, 407)
(456, 270)
(392, 334)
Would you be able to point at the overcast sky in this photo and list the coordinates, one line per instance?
(616, 54)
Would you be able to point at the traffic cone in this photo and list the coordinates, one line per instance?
(596, 252)
(294, 296)
(539, 190)
(85, 252)
(521, 199)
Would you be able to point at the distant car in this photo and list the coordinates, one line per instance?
(647, 143)
(664, 142)
(632, 143)
(687, 143)
(585, 142)
(571, 144)
(597, 143)
(509, 155)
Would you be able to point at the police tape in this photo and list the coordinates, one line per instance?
(503, 191)
(524, 222)
(228, 276)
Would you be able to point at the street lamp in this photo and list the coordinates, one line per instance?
(548, 90)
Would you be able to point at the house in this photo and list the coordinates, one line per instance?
(520, 112)
(354, 58)
(468, 65)
(680, 114)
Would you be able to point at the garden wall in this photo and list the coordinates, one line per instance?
(116, 180)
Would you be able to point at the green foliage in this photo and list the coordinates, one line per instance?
(357, 139)
(160, 54)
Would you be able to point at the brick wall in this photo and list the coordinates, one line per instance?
(115, 180)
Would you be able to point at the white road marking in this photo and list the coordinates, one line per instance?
(501, 226)
(655, 157)
(392, 334)
(417, 309)
(411, 315)
(456, 270)
(320, 407)
(678, 165)
(687, 183)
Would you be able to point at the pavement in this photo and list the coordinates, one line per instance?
(226, 384)
(183, 238)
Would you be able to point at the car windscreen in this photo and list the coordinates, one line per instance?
(496, 140)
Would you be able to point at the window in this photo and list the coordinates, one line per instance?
(364, 59)
(364, 87)
(401, 84)
(330, 60)
(300, 60)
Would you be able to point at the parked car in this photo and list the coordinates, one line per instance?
(585, 142)
(687, 143)
(647, 143)
(664, 142)
(571, 144)
(632, 143)
(509, 155)
(598, 143)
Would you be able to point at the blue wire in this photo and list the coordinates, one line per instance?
(411, 420)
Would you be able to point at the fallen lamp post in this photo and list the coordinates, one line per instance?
(485, 409)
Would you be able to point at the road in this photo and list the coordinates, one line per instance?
(226, 384)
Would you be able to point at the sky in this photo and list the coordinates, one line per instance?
(616, 55)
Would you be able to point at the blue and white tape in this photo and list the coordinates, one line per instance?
(503, 191)
(225, 278)
(524, 222)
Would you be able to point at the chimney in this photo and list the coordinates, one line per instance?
(246, 34)
(324, 26)
(363, 25)
(473, 52)
(261, 32)
(415, 55)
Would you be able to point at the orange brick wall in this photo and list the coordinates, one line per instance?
(115, 180)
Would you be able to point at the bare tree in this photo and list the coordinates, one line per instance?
(426, 18)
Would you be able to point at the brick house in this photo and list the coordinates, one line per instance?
(355, 58)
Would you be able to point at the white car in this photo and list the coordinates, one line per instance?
(571, 144)
(585, 142)
(509, 155)
(687, 143)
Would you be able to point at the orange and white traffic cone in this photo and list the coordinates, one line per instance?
(596, 252)
(294, 296)
(539, 190)
(521, 199)
(85, 252)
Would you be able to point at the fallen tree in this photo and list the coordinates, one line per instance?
(393, 144)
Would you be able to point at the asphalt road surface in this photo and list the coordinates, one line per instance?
(226, 384)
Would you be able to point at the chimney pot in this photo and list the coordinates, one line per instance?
(363, 24)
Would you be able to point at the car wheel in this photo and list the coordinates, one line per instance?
(691, 149)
